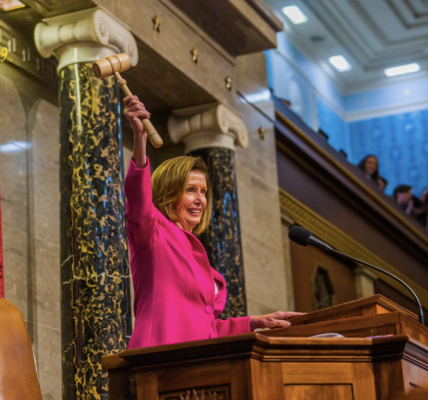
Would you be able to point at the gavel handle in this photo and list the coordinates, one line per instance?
(154, 137)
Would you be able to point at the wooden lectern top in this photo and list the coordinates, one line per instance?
(371, 316)
(373, 305)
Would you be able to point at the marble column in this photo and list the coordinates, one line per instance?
(95, 300)
(212, 132)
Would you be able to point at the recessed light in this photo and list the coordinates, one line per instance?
(295, 14)
(9, 5)
(340, 63)
(402, 69)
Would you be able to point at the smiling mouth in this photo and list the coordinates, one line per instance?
(196, 213)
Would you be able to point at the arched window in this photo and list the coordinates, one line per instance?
(323, 289)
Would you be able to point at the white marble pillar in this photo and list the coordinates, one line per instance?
(95, 303)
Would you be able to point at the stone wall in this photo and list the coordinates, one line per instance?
(29, 185)
(266, 269)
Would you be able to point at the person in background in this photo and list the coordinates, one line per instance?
(369, 165)
(411, 204)
(383, 183)
(424, 196)
(424, 200)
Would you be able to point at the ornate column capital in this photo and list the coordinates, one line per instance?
(84, 36)
(211, 125)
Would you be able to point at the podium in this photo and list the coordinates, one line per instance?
(286, 364)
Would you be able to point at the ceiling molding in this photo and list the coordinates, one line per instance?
(385, 111)
(372, 35)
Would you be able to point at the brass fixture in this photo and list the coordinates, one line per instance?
(261, 132)
(156, 24)
(3, 54)
(228, 81)
(194, 54)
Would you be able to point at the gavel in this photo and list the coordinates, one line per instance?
(113, 65)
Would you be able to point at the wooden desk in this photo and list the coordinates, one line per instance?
(253, 366)
(271, 365)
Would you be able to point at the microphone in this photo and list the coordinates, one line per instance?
(304, 237)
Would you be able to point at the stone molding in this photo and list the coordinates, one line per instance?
(213, 125)
(338, 239)
(365, 279)
(84, 36)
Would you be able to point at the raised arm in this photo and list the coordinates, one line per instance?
(141, 214)
(134, 111)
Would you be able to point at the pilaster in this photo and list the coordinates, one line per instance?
(365, 280)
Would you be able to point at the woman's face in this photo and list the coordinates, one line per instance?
(371, 165)
(193, 202)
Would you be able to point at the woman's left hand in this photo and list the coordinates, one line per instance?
(278, 318)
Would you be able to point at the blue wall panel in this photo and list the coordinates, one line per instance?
(333, 125)
(288, 84)
(401, 144)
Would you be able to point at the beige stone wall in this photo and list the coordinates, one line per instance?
(29, 185)
(267, 270)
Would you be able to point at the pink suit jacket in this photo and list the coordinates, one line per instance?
(175, 299)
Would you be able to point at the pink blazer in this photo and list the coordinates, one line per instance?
(175, 298)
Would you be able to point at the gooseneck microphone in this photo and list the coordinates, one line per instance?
(304, 237)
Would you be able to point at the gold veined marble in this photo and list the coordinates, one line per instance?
(95, 312)
(222, 241)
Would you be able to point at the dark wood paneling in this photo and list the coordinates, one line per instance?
(304, 261)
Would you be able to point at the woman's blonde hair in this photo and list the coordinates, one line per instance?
(169, 183)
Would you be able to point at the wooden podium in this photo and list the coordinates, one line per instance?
(286, 364)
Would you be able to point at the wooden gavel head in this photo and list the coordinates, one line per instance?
(109, 65)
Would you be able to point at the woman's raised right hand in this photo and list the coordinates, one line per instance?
(135, 111)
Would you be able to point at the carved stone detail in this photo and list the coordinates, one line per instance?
(214, 125)
(213, 393)
(84, 36)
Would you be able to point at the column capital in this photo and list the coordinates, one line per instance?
(210, 125)
(84, 36)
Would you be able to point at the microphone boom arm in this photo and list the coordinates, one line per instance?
(421, 312)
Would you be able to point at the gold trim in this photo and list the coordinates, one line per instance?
(335, 237)
(13, 8)
(349, 175)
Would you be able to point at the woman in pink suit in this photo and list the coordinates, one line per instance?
(178, 296)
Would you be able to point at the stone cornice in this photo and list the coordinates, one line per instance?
(84, 36)
(213, 125)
